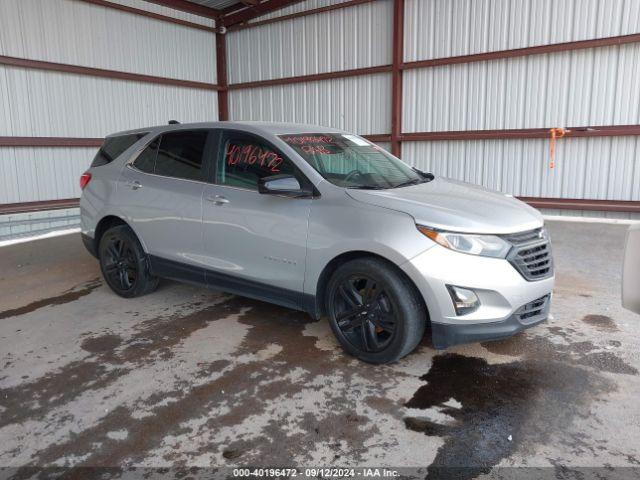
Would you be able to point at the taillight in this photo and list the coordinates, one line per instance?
(85, 178)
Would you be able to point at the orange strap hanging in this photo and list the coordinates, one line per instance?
(555, 133)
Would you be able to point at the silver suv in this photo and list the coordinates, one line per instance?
(318, 220)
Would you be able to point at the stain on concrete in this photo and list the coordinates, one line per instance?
(584, 353)
(601, 322)
(111, 359)
(497, 408)
(246, 389)
(65, 297)
(33, 399)
(101, 344)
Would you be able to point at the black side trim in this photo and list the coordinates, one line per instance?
(164, 268)
(89, 244)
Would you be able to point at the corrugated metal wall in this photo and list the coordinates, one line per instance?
(342, 39)
(354, 37)
(359, 104)
(437, 29)
(79, 33)
(598, 86)
(583, 87)
(596, 168)
(36, 103)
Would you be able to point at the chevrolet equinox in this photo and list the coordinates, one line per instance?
(319, 220)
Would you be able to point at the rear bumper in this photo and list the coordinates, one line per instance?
(447, 335)
(89, 244)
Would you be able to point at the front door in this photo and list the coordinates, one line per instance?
(255, 243)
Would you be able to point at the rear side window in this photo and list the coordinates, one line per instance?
(146, 161)
(113, 147)
(180, 154)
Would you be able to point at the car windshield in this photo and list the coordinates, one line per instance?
(352, 162)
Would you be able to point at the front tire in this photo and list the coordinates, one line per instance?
(124, 263)
(375, 312)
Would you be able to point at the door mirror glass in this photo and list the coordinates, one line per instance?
(280, 185)
(631, 271)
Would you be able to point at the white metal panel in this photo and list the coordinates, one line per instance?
(343, 39)
(79, 33)
(592, 168)
(585, 87)
(358, 104)
(297, 8)
(38, 103)
(437, 28)
(169, 12)
(32, 174)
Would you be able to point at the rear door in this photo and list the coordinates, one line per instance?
(161, 193)
(254, 242)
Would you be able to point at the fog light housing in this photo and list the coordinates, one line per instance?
(464, 300)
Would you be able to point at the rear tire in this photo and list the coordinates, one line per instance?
(374, 311)
(124, 263)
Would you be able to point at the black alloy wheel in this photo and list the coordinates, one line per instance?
(374, 310)
(124, 263)
(120, 265)
(364, 313)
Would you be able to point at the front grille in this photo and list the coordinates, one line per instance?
(531, 254)
(534, 311)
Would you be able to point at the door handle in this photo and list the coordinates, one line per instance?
(218, 200)
(135, 185)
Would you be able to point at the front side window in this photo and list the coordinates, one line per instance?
(180, 154)
(351, 161)
(244, 159)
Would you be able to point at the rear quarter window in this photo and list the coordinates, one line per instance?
(113, 147)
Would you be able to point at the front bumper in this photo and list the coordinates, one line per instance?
(505, 296)
(446, 334)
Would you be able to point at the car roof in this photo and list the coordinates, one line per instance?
(263, 128)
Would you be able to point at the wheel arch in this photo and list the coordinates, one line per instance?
(317, 307)
(107, 222)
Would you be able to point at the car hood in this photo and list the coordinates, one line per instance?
(456, 206)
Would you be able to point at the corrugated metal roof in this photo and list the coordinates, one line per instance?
(217, 4)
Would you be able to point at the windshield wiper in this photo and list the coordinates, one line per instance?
(367, 187)
(414, 181)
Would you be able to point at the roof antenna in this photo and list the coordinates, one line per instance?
(174, 122)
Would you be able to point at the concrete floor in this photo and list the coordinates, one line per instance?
(189, 377)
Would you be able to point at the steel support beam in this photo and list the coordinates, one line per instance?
(221, 67)
(103, 73)
(396, 80)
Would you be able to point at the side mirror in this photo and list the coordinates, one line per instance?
(286, 185)
(631, 270)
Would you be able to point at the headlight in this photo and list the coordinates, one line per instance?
(484, 245)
